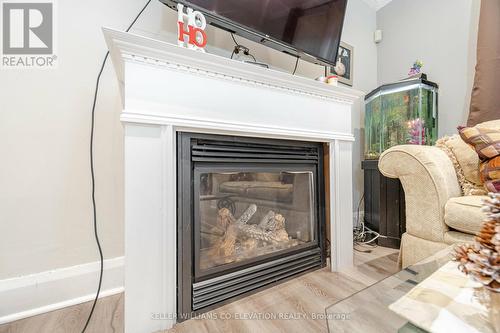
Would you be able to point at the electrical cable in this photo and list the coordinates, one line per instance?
(237, 46)
(92, 175)
(358, 209)
(361, 231)
(234, 40)
(296, 64)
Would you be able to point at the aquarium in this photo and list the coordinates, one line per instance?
(400, 113)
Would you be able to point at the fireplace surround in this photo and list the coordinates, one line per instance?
(250, 213)
(167, 90)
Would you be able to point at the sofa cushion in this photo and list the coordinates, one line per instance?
(486, 141)
(466, 157)
(453, 237)
(490, 174)
(465, 161)
(492, 124)
(464, 213)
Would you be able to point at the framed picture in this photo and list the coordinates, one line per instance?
(344, 66)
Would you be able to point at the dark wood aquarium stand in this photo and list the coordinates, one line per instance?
(384, 205)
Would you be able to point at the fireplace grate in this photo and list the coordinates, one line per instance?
(216, 151)
(218, 289)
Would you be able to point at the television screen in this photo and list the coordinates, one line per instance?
(310, 29)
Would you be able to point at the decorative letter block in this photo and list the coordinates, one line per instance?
(194, 36)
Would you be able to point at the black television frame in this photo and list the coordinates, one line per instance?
(257, 36)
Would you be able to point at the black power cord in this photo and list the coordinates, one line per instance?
(246, 51)
(240, 48)
(296, 64)
(92, 174)
(234, 39)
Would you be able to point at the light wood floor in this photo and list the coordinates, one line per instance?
(303, 298)
(107, 318)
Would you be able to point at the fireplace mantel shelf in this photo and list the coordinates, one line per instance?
(167, 89)
(130, 47)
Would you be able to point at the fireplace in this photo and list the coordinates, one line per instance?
(250, 215)
(167, 90)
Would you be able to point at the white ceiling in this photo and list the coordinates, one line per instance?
(377, 4)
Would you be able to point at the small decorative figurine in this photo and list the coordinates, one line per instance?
(331, 79)
(415, 69)
(194, 37)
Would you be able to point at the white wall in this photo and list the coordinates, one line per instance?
(45, 212)
(358, 31)
(443, 34)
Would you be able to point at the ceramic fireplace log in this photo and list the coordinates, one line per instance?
(266, 219)
(224, 218)
(271, 229)
(275, 230)
(211, 230)
(247, 215)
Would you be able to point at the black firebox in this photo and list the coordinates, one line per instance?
(251, 213)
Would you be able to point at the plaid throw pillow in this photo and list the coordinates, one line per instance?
(490, 174)
(486, 142)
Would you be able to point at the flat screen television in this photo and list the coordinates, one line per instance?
(309, 29)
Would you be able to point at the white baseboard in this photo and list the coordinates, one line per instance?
(33, 294)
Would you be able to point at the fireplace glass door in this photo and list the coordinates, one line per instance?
(250, 214)
(246, 215)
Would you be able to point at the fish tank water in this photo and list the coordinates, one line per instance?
(404, 112)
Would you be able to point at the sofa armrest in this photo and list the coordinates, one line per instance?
(429, 180)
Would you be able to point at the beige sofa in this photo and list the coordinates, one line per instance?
(435, 181)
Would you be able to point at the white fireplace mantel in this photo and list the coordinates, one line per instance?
(166, 89)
